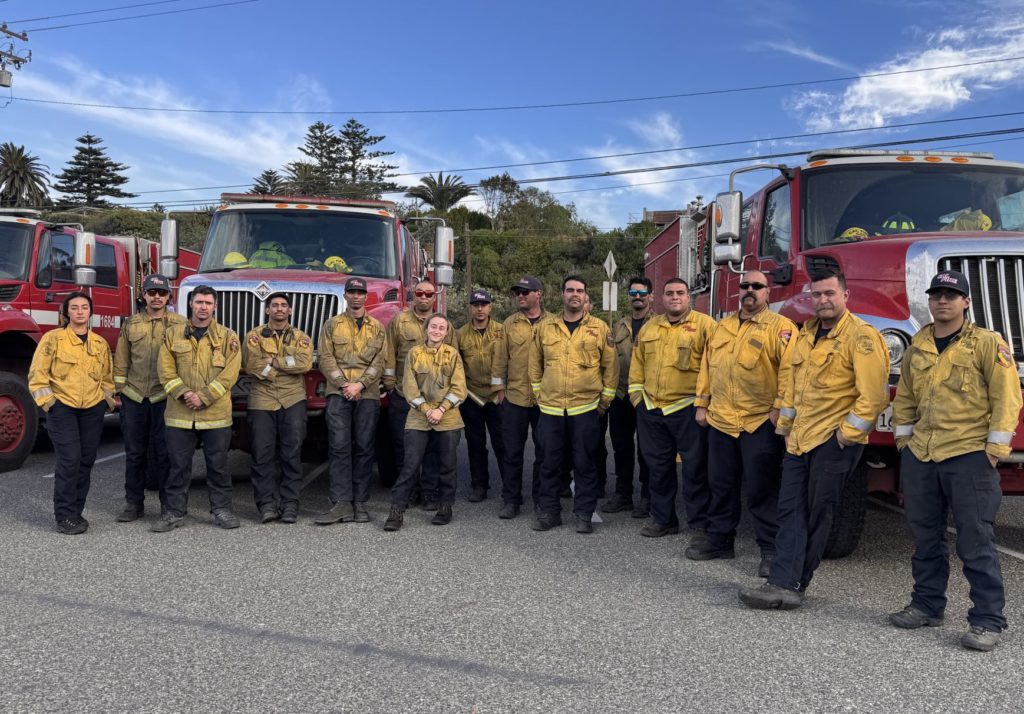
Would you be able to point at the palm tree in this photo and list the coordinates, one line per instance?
(23, 179)
(442, 193)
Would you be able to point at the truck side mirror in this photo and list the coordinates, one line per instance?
(169, 248)
(85, 258)
(444, 255)
(725, 217)
(726, 253)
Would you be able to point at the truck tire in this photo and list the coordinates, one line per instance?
(19, 422)
(848, 517)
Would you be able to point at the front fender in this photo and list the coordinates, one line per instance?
(14, 320)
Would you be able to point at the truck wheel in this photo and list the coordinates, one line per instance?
(848, 517)
(19, 422)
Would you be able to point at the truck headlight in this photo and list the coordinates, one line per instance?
(897, 343)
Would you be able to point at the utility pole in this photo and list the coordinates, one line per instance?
(8, 56)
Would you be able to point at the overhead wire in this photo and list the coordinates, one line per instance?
(91, 12)
(137, 17)
(519, 107)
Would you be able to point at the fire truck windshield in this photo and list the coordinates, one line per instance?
(332, 241)
(15, 250)
(850, 203)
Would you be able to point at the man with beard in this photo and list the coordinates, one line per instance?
(837, 387)
(739, 392)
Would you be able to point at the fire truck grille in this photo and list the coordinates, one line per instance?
(241, 311)
(997, 294)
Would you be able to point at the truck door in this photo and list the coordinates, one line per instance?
(774, 243)
(109, 297)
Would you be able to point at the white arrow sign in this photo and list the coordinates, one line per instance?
(610, 266)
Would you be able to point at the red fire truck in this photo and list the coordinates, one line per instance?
(308, 247)
(42, 263)
(889, 220)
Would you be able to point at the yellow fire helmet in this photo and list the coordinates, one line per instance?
(337, 264)
(852, 234)
(899, 223)
(234, 259)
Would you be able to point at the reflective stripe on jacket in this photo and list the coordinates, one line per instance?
(512, 363)
(138, 349)
(350, 354)
(666, 361)
(67, 370)
(280, 387)
(405, 331)
(209, 367)
(966, 399)
(841, 383)
(743, 371)
(434, 378)
(573, 373)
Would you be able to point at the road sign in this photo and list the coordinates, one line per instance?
(609, 266)
(609, 294)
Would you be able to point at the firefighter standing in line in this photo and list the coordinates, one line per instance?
(405, 331)
(277, 356)
(954, 415)
(71, 379)
(435, 383)
(662, 385)
(353, 346)
(479, 340)
(573, 373)
(837, 387)
(198, 365)
(519, 411)
(622, 414)
(739, 393)
(142, 395)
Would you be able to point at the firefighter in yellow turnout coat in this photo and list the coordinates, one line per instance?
(198, 365)
(277, 356)
(573, 373)
(956, 408)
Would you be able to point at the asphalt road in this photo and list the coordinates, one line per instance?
(482, 615)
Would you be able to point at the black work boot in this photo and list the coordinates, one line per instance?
(443, 516)
(706, 550)
(131, 512)
(394, 521)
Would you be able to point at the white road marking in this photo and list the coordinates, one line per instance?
(98, 461)
(896, 509)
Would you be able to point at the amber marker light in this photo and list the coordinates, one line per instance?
(815, 164)
(933, 159)
(904, 158)
(960, 160)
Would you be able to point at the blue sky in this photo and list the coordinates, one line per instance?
(349, 58)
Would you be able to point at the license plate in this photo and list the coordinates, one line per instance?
(885, 420)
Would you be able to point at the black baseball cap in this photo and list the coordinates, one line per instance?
(479, 296)
(355, 284)
(528, 282)
(156, 282)
(950, 280)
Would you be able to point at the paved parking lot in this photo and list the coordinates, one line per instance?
(481, 615)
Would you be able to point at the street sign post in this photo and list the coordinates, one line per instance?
(610, 289)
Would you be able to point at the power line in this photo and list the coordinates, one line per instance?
(90, 12)
(136, 17)
(519, 107)
(695, 147)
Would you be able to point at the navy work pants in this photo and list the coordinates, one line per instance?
(622, 426)
(661, 437)
(277, 441)
(481, 421)
(968, 486)
(351, 431)
(426, 475)
(142, 427)
(580, 432)
(417, 442)
(75, 434)
(751, 461)
(600, 459)
(517, 423)
(181, 446)
(812, 486)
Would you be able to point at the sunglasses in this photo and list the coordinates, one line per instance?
(639, 293)
(752, 286)
(520, 292)
(157, 293)
(424, 293)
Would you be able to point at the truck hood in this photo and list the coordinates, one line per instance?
(292, 280)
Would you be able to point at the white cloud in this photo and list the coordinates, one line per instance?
(806, 53)
(876, 101)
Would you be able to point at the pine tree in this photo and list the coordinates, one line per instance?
(269, 183)
(359, 174)
(91, 175)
